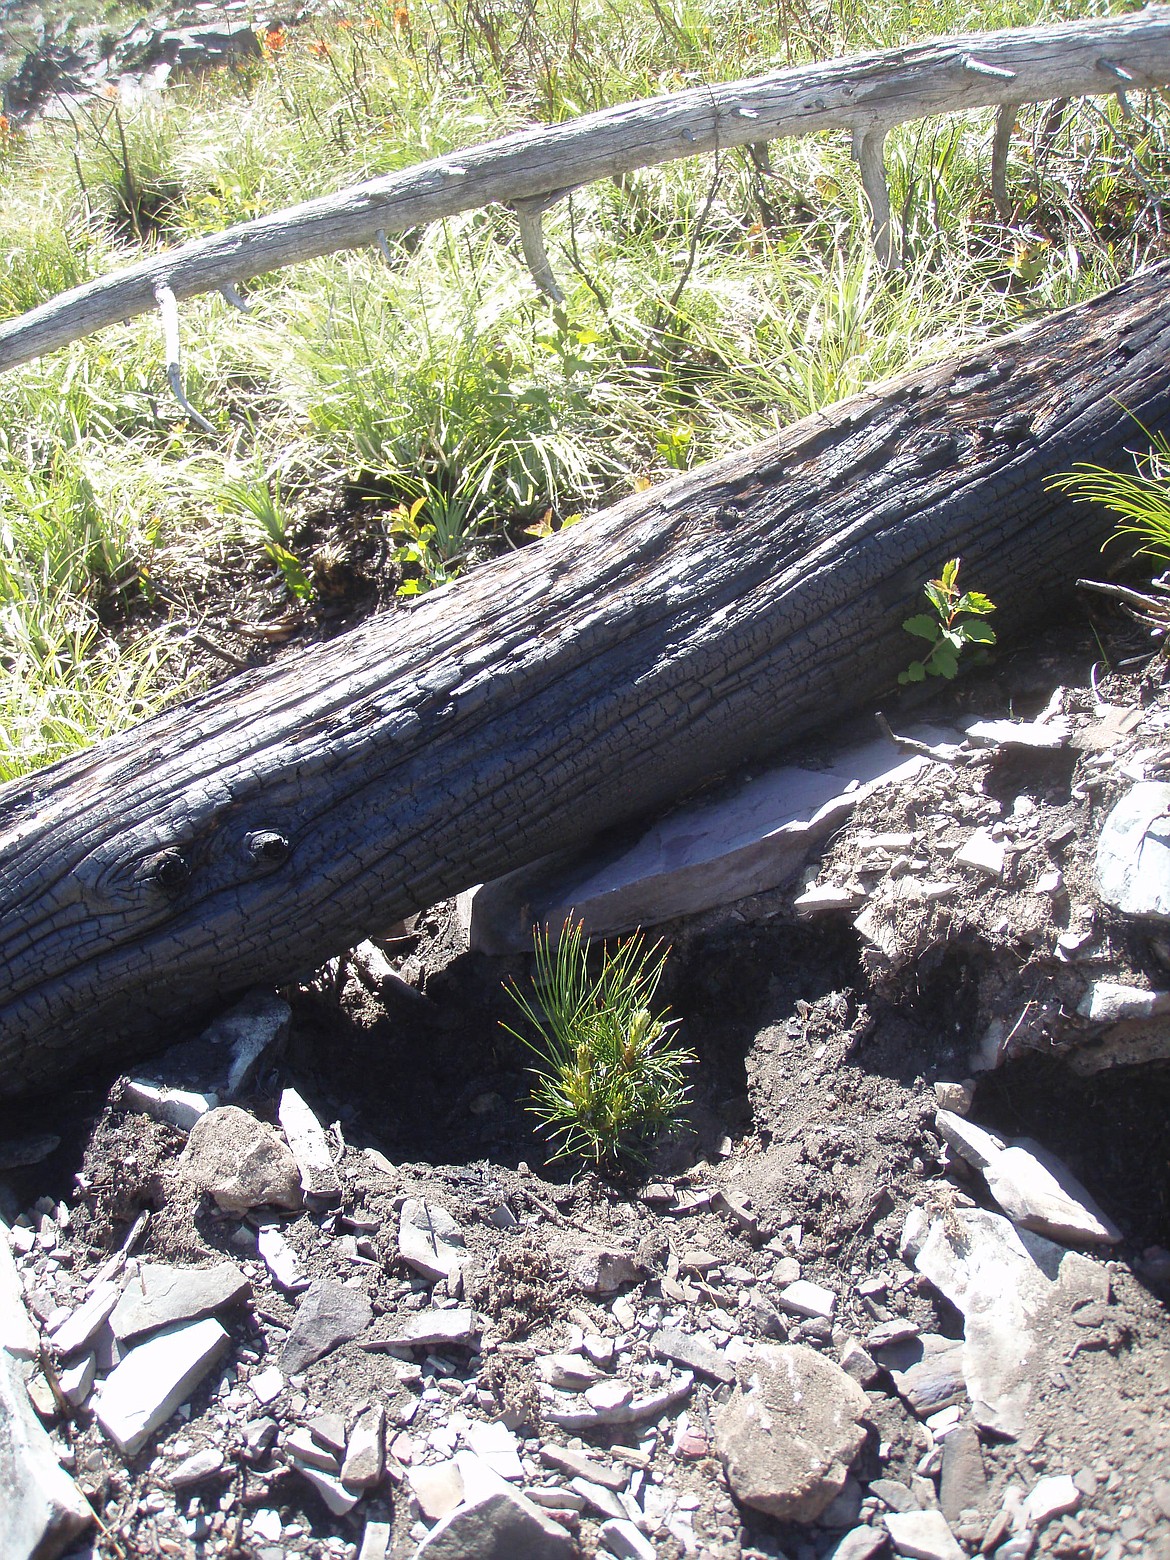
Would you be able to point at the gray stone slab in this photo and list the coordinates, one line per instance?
(310, 1148)
(1133, 853)
(752, 838)
(159, 1295)
(154, 1379)
(671, 1343)
(41, 1509)
(329, 1314)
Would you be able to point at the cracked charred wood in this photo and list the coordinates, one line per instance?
(276, 820)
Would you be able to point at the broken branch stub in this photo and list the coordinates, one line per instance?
(553, 693)
(947, 76)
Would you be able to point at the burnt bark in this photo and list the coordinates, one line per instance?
(253, 832)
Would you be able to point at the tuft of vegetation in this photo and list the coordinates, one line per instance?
(1139, 498)
(953, 623)
(610, 1074)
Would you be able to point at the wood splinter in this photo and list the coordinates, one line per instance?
(528, 219)
(869, 154)
(230, 293)
(976, 67)
(168, 309)
(1005, 123)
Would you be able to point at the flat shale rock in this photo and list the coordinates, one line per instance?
(310, 1148)
(430, 1239)
(329, 1314)
(41, 1509)
(17, 1333)
(923, 1535)
(1133, 853)
(497, 1526)
(240, 1162)
(159, 1295)
(154, 1379)
(790, 1431)
(600, 1270)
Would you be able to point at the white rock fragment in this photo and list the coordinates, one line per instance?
(310, 1149)
(201, 1465)
(824, 898)
(1030, 1185)
(339, 1500)
(624, 1540)
(923, 1535)
(1039, 1193)
(1133, 853)
(570, 1371)
(495, 1445)
(180, 1108)
(457, 1326)
(982, 854)
(76, 1381)
(1012, 1287)
(375, 1541)
(150, 1383)
(1050, 735)
(1049, 1498)
(438, 1488)
(267, 1384)
(430, 1240)
(17, 1333)
(280, 1259)
(365, 1450)
(803, 1298)
(41, 1509)
(79, 1329)
(1107, 1002)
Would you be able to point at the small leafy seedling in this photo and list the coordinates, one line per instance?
(952, 624)
(610, 1075)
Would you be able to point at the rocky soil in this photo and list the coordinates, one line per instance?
(305, 1285)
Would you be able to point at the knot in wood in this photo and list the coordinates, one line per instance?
(170, 871)
(267, 847)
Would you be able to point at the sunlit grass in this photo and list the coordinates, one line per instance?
(707, 302)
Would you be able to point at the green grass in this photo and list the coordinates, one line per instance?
(706, 304)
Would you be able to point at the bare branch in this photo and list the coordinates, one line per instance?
(869, 154)
(1019, 65)
(168, 310)
(1005, 123)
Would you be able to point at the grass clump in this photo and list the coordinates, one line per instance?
(1139, 498)
(611, 1075)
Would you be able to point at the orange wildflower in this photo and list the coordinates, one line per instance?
(344, 24)
(275, 39)
(5, 127)
(401, 20)
(319, 47)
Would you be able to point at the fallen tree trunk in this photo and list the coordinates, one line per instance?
(866, 95)
(277, 819)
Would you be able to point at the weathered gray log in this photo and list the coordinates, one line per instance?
(866, 95)
(287, 813)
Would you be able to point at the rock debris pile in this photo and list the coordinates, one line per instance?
(873, 1322)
